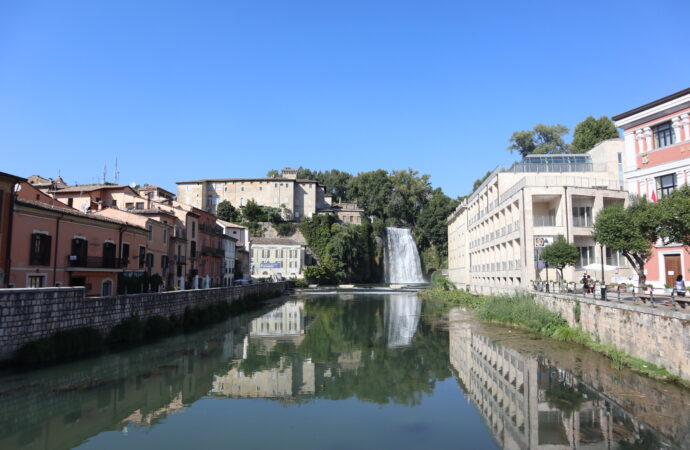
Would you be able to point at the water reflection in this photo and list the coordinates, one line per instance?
(371, 350)
(530, 402)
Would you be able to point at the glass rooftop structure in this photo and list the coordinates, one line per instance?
(554, 163)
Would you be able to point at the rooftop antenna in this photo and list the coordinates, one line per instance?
(105, 172)
(117, 173)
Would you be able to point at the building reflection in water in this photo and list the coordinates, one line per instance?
(528, 403)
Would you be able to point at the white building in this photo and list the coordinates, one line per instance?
(495, 235)
(242, 254)
(277, 257)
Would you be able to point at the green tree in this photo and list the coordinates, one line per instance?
(631, 230)
(591, 131)
(674, 211)
(560, 254)
(372, 191)
(540, 139)
(252, 212)
(478, 182)
(226, 211)
(432, 221)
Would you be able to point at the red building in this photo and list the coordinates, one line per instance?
(657, 149)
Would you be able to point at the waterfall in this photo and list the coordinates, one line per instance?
(402, 316)
(401, 262)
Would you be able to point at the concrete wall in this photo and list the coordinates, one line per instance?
(30, 314)
(660, 336)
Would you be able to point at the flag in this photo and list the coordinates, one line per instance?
(652, 196)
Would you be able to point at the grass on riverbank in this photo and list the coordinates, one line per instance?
(523, 312)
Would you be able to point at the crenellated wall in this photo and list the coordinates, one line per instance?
(30, 314)
(658, 335)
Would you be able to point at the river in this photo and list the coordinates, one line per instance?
(342, 371)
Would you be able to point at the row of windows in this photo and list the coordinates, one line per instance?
(275, 253)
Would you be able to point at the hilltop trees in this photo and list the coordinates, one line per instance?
(591, 131)
(540, 139)
(226, 211)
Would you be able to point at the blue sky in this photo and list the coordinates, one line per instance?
(180, 90)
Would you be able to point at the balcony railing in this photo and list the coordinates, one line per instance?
(96, 262)
(544, 221)
(181, 260)
(582, 221)
(212, 251)
(210, 229)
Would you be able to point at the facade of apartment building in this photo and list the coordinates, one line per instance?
(300, 198)
(495, 236)
(154, 256)
(657, 147)
(8, 183)
(229, 257)
(54, 245)
(346, 212)
(277, 257)
(94, 197)
(242, 264)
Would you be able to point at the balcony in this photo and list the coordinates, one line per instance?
(582, 221)
(180, 260)
(544, 220)
(96, 262)
(210, 229)
(211, 251)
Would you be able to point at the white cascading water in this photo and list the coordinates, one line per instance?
(402, 313)
(401, 262)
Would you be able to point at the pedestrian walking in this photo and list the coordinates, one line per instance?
(680, 286)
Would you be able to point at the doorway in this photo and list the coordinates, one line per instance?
(672, 268)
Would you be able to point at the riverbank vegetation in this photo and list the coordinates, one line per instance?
(131, 332)
(522, 311)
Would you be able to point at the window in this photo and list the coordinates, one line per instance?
(150, 229)
(265, 253)
(165, 236)
(665, 185)
(149, 261)
(40, 250)
(114, 203)
(109, 256)
(107, 288)
(582, 216)
(125, 254)
(79, 253)
(663, 135)
(140, 205)
(36, 281)
(193, 230)
(129, 205)
(586, 256)
(279, 253)
(164, 261)
(242, 201)
(614, 258)
(142, 256)
(70, 202)
(192, 249)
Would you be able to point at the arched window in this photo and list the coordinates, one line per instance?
(242, 201)
(107, 288)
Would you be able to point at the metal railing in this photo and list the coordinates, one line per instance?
(582, 221)
(544, 220)
(96, 262)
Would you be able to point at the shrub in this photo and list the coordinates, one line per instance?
(127, 333)
(157, 327)
(63, 345)
(300, 283)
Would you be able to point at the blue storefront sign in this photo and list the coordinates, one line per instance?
(270, 265)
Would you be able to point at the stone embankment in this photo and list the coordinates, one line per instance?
(30, 314)
(660, 336)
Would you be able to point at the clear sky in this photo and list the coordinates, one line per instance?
(181, 90)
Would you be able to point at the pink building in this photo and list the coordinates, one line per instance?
(55, 245)
(7, 186)
(657, 151)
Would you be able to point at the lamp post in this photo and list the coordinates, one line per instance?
(546, 266)
(603, 278)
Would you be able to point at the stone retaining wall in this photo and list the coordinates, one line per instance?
(660, 336)
(30, 314)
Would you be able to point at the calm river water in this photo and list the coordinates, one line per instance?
(343, 372)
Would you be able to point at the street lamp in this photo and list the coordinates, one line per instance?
(546, 266)
(603, 277)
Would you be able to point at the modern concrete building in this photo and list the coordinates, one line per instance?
(277, 257)
(496, 234)
(299, 198)
(657, 148)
